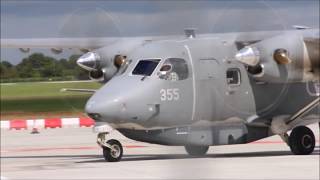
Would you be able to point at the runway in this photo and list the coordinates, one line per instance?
(71, 153)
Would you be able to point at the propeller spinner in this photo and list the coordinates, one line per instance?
(89, 61)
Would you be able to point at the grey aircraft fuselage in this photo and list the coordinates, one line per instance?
(200, 90)
(214, 100)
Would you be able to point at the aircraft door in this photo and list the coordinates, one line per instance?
(238, 95)
(206, 87)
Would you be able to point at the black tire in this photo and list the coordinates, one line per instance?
(110, 155)
(196, 150)
(302, 141)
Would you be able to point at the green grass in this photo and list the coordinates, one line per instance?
(42, 89)
(44, 97)
(68, 104)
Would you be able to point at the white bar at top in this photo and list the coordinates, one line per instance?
(70, 122)
(5, 124)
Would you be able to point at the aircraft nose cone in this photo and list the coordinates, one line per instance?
(103, 109)
(95, 109)
(114, 107)
(89, 61)
(92, 110)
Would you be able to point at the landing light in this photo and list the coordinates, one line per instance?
(119, 60)
(281, 56)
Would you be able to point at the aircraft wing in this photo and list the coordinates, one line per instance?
(90, 43)
(87, 44)
(312, 38)
(78, 90)
(315, 40)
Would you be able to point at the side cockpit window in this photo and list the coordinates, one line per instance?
(174, 69)
(233, 76)
(145, 67)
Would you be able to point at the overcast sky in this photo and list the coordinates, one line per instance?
(81, 18)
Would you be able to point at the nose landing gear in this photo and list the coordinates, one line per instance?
(112, 149)
(301, 141)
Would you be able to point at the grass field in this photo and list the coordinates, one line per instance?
(42, 99)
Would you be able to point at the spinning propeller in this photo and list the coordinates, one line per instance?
(96, 24)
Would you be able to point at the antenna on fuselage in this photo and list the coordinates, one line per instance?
(190, 32)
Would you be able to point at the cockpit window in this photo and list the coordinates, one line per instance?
(145, 67)
(174, 69)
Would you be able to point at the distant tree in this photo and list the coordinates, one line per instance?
(7, 70)
(29, 67)
(64, 63)
(37, 65)
(79, 73)
(6, 64)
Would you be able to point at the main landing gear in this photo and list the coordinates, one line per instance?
(301, 140)
(112, 149)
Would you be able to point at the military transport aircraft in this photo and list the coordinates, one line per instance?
(200, 90)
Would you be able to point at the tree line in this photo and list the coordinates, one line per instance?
(38, 67)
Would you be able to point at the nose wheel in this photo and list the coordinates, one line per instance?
(112, 149)
(113, 154)
(302, 141)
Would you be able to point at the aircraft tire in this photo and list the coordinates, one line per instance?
(111, 155)
(196, 150)
(302, 141)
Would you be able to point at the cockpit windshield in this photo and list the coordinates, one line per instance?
(145, 67)
(174, 69)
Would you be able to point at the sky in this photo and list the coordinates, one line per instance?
(85, 18)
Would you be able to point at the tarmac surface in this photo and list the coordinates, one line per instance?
(71, 153)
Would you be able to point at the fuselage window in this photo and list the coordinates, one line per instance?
(145, 67)
(233, 76)
(174, 69)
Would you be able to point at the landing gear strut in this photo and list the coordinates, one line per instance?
(112, 149)
(301, 140)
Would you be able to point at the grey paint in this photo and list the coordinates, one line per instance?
(210, 111)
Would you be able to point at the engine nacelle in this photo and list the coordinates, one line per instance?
(101, 68)
(102, 75)
(284, 58)
(104, 63)
(97, 75)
